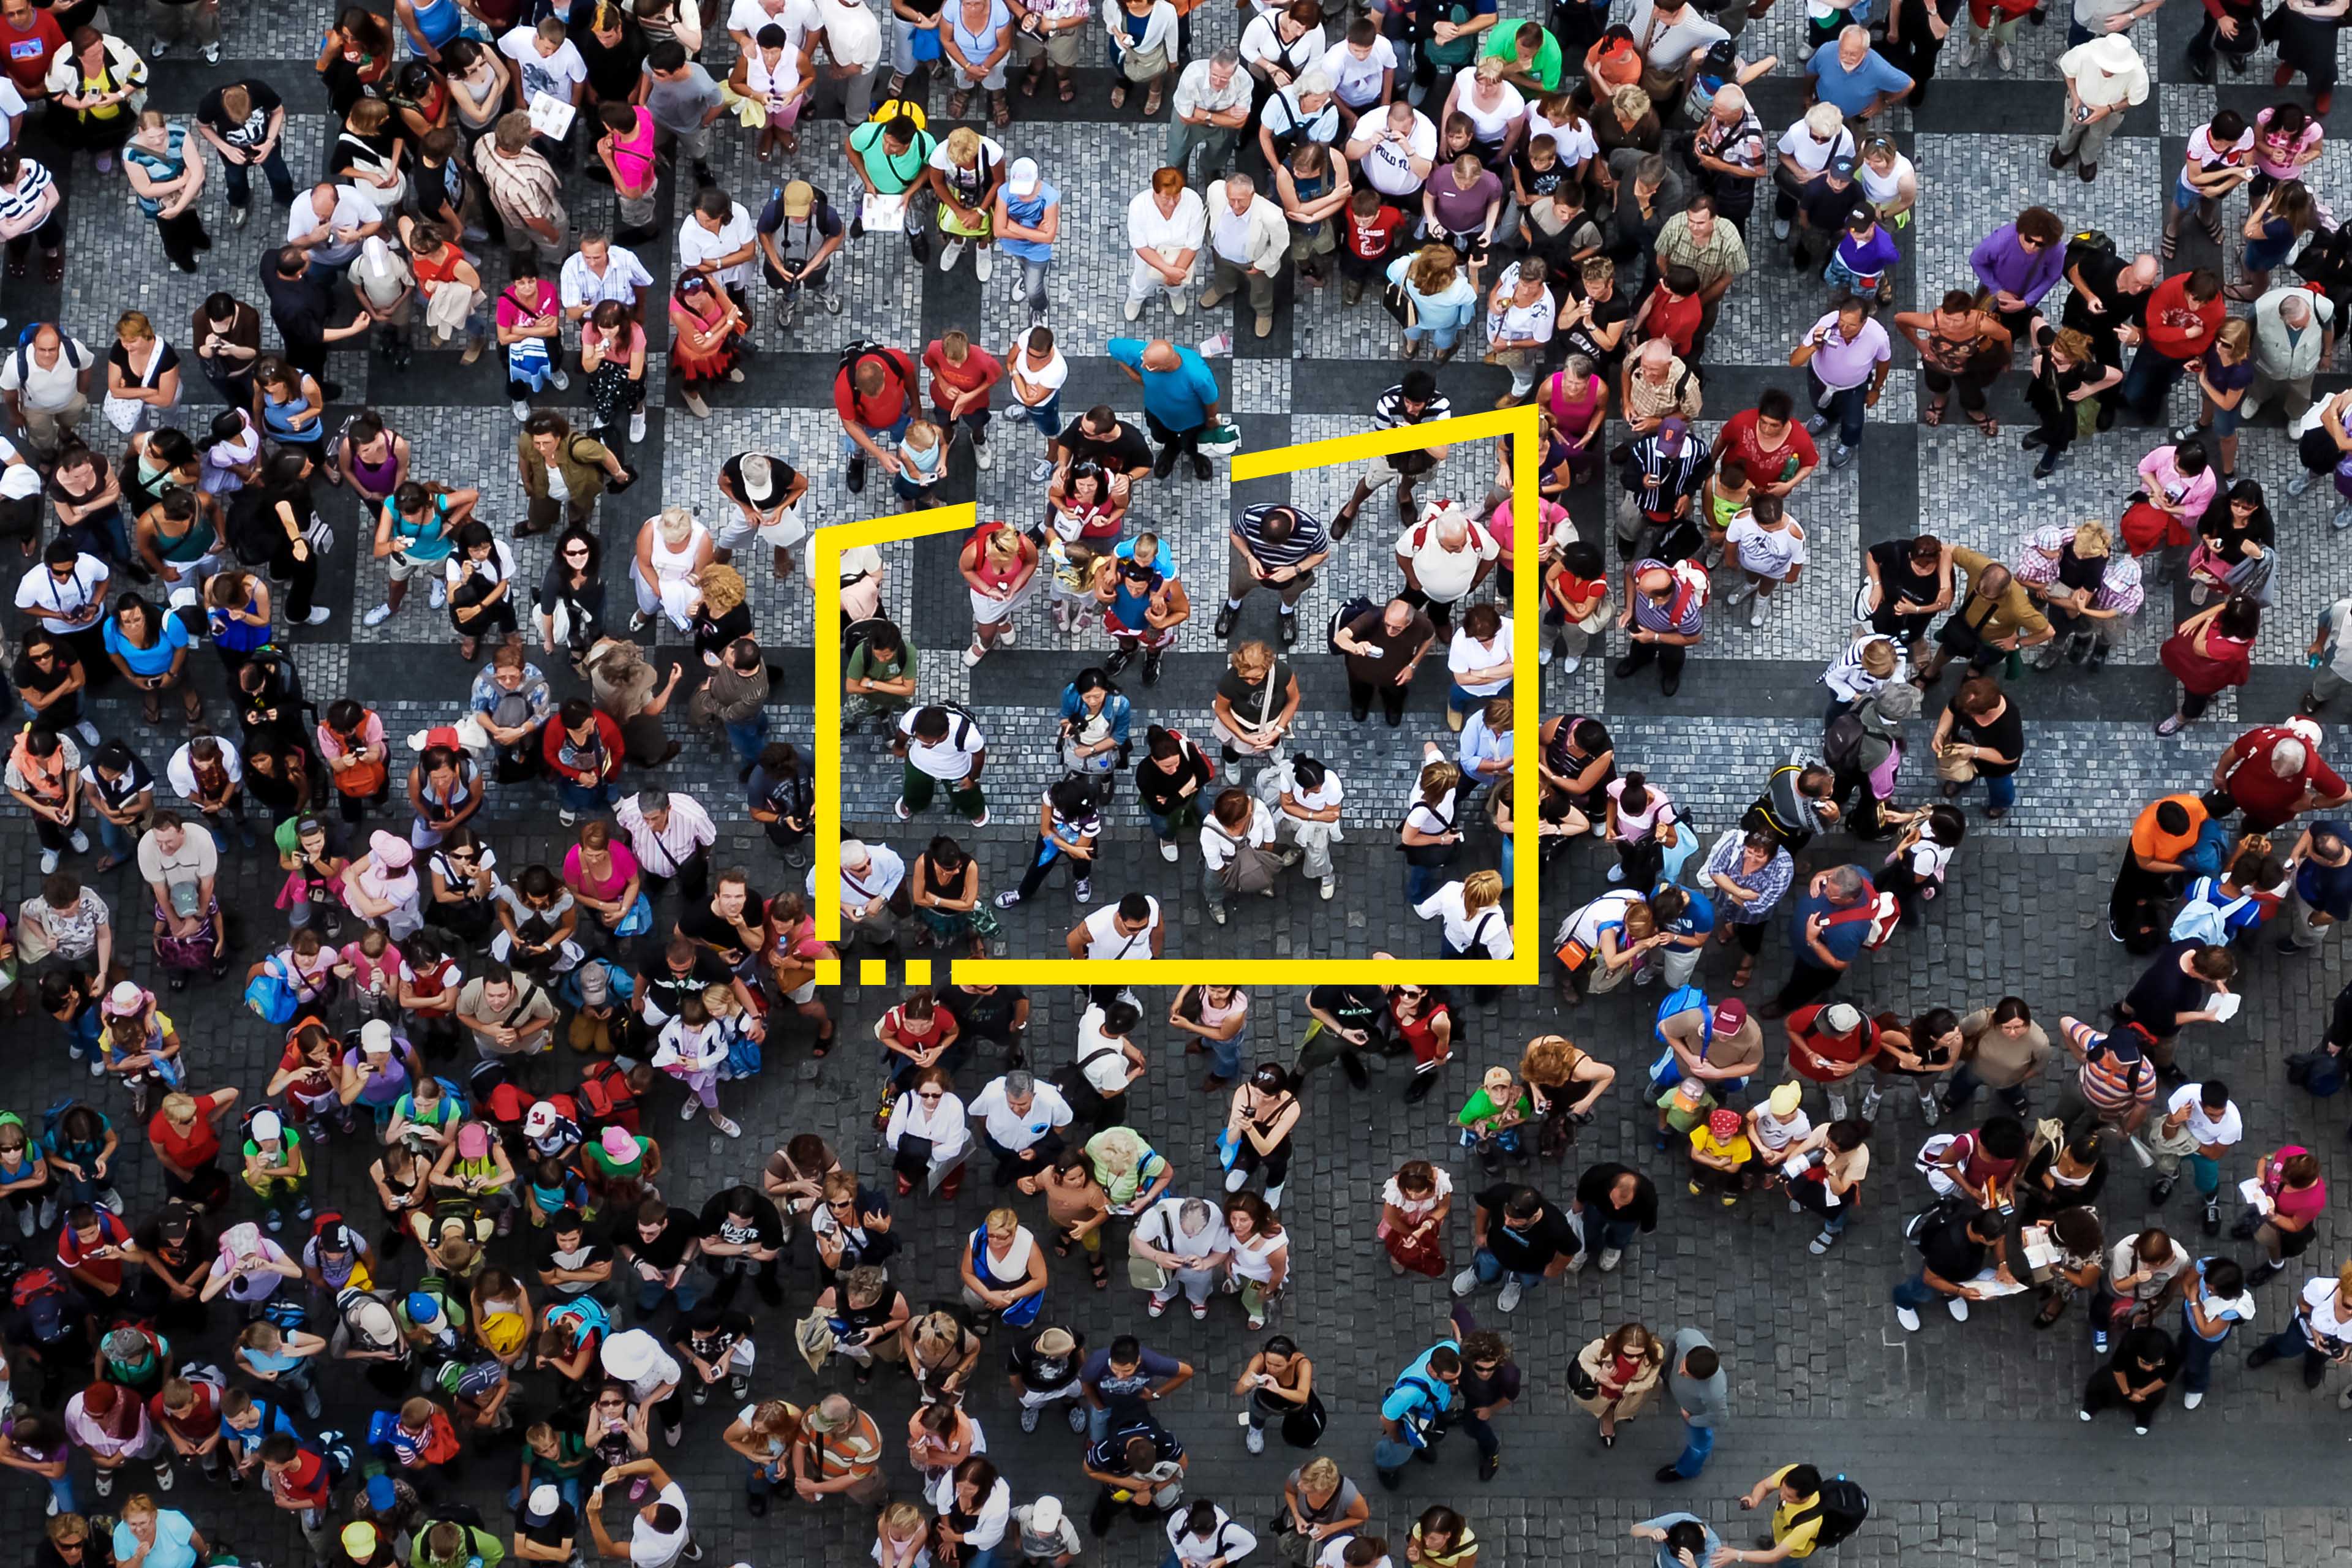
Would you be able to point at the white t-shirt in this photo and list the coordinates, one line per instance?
(1427, 819)
(1047, 1111)
(2230, 1129)
(1359, 80)
(1882, 188)
(2320, 1294)
(1048, 378)
(1217, 841)
(1163, 1227)
(1388, 166)
(1771, 552)
(1104, 940)
(1575, 142)
(1254, 1259)
(851, 35)
(1774, 1134)
(798, 19)
(1490, 124)
(1466, 652)
(950, 758)
(697, 245)
(1445, 575)
(1105, 1063)
(51, 389)
(1814, 156)
(651, 1548)
(555, 75)
(1169, 234)
(1322, 798)
(43, 595)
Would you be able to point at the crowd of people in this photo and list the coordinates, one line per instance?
(1575, 201)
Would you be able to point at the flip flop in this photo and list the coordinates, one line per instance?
(1935, 415)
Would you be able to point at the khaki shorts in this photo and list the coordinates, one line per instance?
(403, 567)
(1061, 49)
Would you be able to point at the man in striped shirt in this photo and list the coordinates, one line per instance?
(1662, 609)
(1276, 547)
(1409, 402)
(2117, 1083)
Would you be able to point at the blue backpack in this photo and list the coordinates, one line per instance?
(271, 994)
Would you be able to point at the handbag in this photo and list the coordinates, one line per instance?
(1144, 1274)
(1144, 65)
(1397, 301)
(1229, 1148)
(639, 921)
(1953, 766)
(1304, 1426)
(1581, 1383)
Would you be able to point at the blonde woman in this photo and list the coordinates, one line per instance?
(1614, 1375)
(1003, 1272)
(1429, 834)
(673, 548)
(2222, 377)
(1473, 916)
(999, 564)
(941, 1354)
(143, 376)
(1443, 302)
(901, 1538)
(166, 167)
(763, 1436)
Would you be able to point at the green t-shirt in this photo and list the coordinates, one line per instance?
(1480, 1106)
(1680, 1120)
(864, 666)
(892, 173)
(1502, 44)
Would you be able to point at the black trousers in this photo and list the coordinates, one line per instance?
(693, 878)
(1806, 983)
(1388, 694)
(1669, 657)
(2134, 884)
(301, 577)
(1011, 1165)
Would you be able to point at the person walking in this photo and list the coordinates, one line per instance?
(1702, 1393)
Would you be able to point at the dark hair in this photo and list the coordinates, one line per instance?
(1702, 1361)
(1802, 1479)
(2002, 1137)
(2172, 817)
(1134, 906)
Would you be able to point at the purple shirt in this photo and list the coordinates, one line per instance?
(1867, 257)
(1840, 363)
(2003, 264)
(1461, 211)
(1654, 617)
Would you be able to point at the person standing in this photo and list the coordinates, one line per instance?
(2105, 77)
(1846, 357)
(1179, 397)
(1701, 1392)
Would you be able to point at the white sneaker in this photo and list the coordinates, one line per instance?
(166, 1475)
(157, 48)
(1617, 873)
(1609, 1256)
(1964, 48)
(48, 865)
(376, 616)
(1131, 309)
(81, 842)
(211, 53)
(1041, 470)
(1958, 1307)
(1253, 1439)
(2006, 62)
(950, 254)
(522, 410)
(638, 427)
(1756, 611)
(440, 595)
(2187, 1401)
(1779, 228)
(558, 380)
(1464, 1281)
(1216, 911)
(1908, 1318)
(1509, 1300)
(1012, 634)
(1330, 887)
(973, 655)
(1569, 663)
(983, 262)
(1543, 656)
(319, 615)
(979, 453)
(1168, 851)
(1178, 304)
(690, 1110)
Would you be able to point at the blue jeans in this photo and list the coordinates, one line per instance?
(1225, 1056)
(1844, 404)
(1698, 1442)
(1046, 415)
(1420, 882)
(117, 841)
(1961, 1087)
(2197, 1355)
(2000, 794)
(1463, 701)
(587, 797)
(1166, 827)
(756, 1480)
(651, 1291)
(748, 736)
(884, 435)
(1617, 1234)
(1490, 1271)
(2150, 380)
(1390, 1453)
(1914, 1292)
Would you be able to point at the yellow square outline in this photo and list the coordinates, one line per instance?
(1524, 967)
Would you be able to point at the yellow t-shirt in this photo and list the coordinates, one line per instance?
(1736, 1148)
(1799, 1539)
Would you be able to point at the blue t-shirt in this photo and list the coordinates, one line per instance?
(1179, 399)
(1417, 1387)
(1843, 937)
(1698, 919)
(1029, 212)
(155, 661)
(173, 1532)
(2326, 889)
(1852, 90)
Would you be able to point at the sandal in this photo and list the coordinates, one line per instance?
(1935, 415)
(1984, 422)
(1000, 110)
(1151, 101)
(2213, 231)
(1118, 96)
(150, 709)
(956, 103)
(53, 266)
(1062, 85)
(1100, 1270)
(2169, 244)
(1029, 82)
(1744, 973)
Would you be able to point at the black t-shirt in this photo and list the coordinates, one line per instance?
(552, 1532)
(1948, 1250)
(782, 476)
(167, 359)
(766, 1227)
(1121, 453)
(799, 238)
(1826, 209)
(2101, 272)
(2164, 993)
(1528, 1248)
(701, 923)
(201, 1243)
(1537, 181)
(2004, 733)
(1247, 698)
(1040, 1372)
(59, 490)
(1356, 1006)
(666, 1251)
(2220, 528)
(254, 128)
(30, 676)
(591, 1251)
(304, 307)
(713, 1332)
(1162, 791)
(612, 72)
(1606, 313)
(666, 990)
(987, 1016)
(1592, 1192)
(1898, 577)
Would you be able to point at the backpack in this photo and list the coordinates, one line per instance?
(606, 1100)
(1841, 1506)
(71, 352)
(2090, 241)
(1346, 615)
(335, 1448)
(863, 348)
(961, 727)
(1249, 869)
(1842, 743)
(890, 108)
(270, 994)
(2201, 920)
(1880, 910)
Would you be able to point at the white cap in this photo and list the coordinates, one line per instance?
(1021, 180)
(545, 1501)
(539, 1122)
(1045, 1515)
(375, 1037)
(265, 1126)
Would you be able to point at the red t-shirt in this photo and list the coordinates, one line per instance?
(305, 1480)
(882, 410)
(2176, 327)
(1738, 440)
(203, 1417)
(1677, 321)
(2261, 793)
(197, 1147)
(950, 381)
(29, 52)
(1859, 1045)
(111, 1232)
(1371, 238)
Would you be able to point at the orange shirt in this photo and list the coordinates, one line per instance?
(2150, 842)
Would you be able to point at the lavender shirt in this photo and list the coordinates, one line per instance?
(1842, 364)
(2002, 263)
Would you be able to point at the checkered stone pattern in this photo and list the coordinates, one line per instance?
(1955, 210)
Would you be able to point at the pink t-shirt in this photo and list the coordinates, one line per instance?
(511, 312)
(2304, 1204)
(1634, 828)
(624, 866)
(2181, 492)
(2277, 154)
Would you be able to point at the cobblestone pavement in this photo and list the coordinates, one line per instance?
(1965, 1437)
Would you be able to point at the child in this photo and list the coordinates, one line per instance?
(138, 1047)
(1536, 172)
(1490, 1119)
(1916, 866)
(1681, 1108)
(1726, 494)
(1863, 260)
(716, 1341)
(1078, 571)
(1719, 1153)
(372, 967)
(313, 888)
(693, 1050)
(1770, 549)
(552, 1189)
(922, 463)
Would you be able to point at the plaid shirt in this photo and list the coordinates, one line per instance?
(523, 186)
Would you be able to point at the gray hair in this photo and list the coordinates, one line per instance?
(1228, 56)
(1732, 95)
(1237, 180)
(1194, 1215)
(1845, 882)
(1020, 1083)
(2287, 758)
(1824, 122)
(2296, 303)
(1854, 30)
(1314, 83)
(650, 801)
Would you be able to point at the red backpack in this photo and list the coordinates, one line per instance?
(606, 1100)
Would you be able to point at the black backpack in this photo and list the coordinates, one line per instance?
(862, 349)
(1842, 743)
(1346, 615)
(1841, 1506)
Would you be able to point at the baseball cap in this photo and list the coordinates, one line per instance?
(1730, 1017)
(1842, 166)
(335, 1237)
(1045, 1515)
(1842, 1017)
(540, 1122)
(798, 198)
(265, 1126)
(545, 1501)
(1786, 1098)
(1021, 180)
(1672, 429)
(375, 1037)
(423, 1309)
(380, 1492)
(359, 1539)
(126, 997)
(618, 1144)
(473, 1140)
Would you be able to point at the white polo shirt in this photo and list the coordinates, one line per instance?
(1388, 164)
(1047, 1111)
(1169, 234)
(949, 759)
